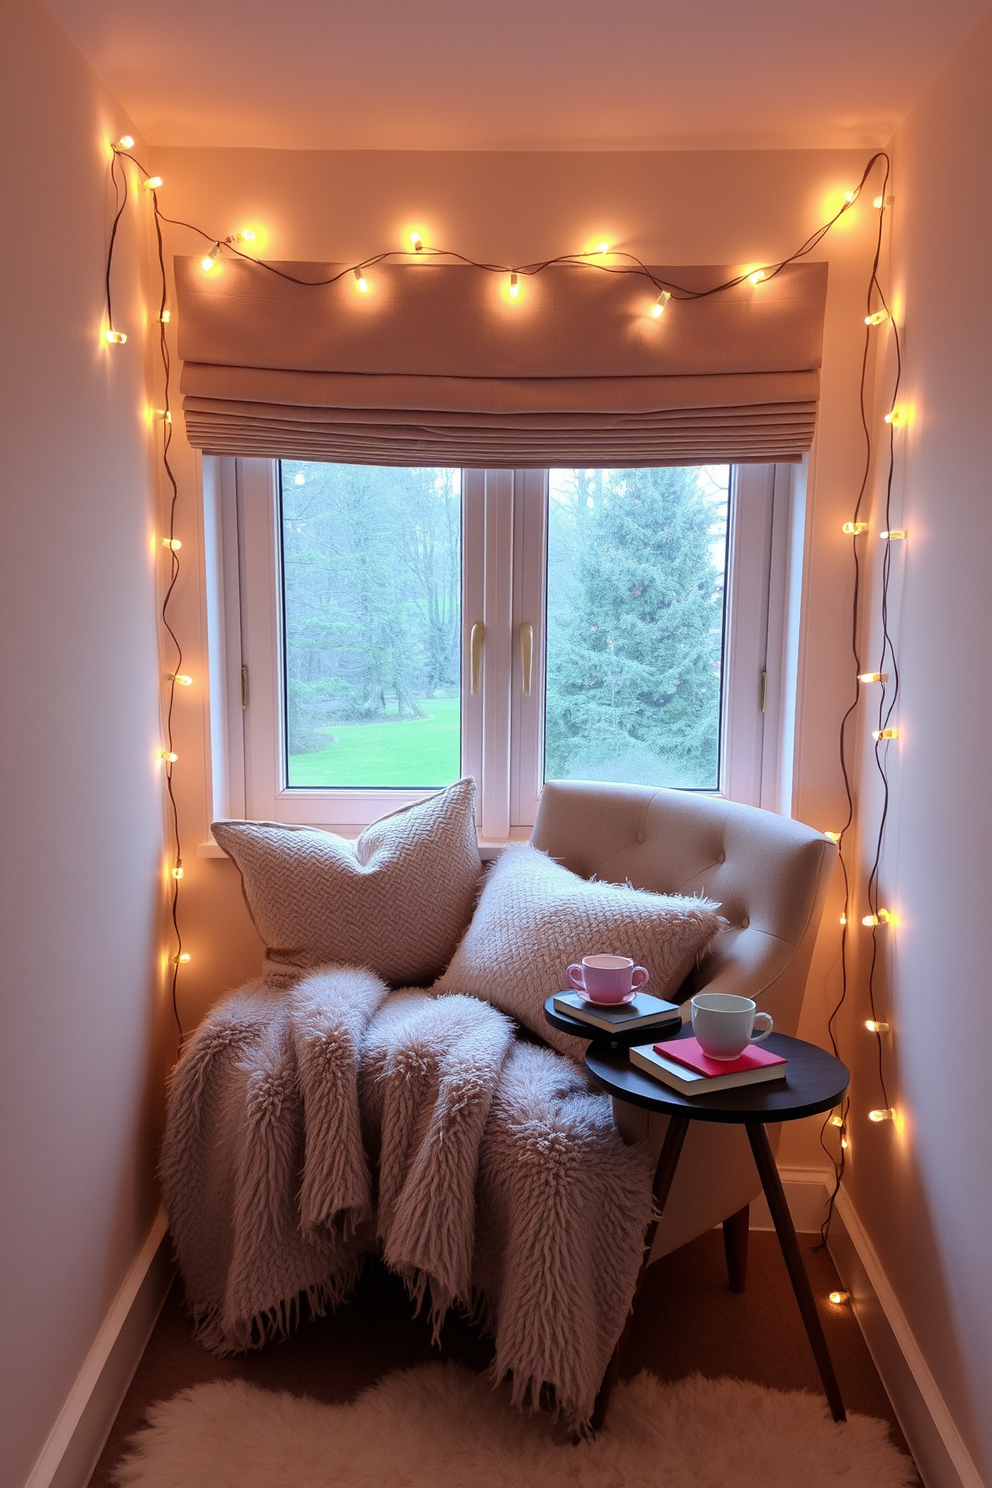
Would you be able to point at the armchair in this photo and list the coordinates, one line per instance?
(770, 876)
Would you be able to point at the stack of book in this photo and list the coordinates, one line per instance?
(682, 1064)
(643, 1011)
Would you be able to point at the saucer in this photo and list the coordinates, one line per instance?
(613, 1003)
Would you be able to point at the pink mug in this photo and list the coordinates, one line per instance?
(606, 978)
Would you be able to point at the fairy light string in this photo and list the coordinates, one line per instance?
(173, 546)
(886, 676)
(667, 292)
(591, 258)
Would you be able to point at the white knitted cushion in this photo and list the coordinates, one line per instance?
(396, 901)
(535, 917)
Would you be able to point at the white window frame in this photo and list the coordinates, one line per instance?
(505, 515)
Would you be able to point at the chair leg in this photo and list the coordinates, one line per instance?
(735, 1233)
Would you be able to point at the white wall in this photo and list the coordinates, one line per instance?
(922, 1187)
(84, 1032)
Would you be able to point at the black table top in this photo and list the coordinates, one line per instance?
(814, 1081)
(648, 1033)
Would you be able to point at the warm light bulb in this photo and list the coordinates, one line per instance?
(152, 183)
(839, 1298)
(245, 235)
(850, 196)
(873, 1025)
(514, 287)
(889, 733)
(854, 529)
(877, 317)
(125, 143)
(882, 201)
(180, 678)
(175, 543)
(361, 281)
(178, 871)
(894, 534)
(832, 836)
(115, 338)
(897, 417)
(167, 754)
(165, 317)
(873, 676)
(843, 919)
(886, 1114)
(163, 414)
(844, 1143)
(658, 308)
(182, 958)
(836, 1121)
(757, 276)
(602, 247)
(417, 241)
(884, 917)
(207, 263)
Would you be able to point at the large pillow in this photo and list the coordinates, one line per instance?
(396, 901)
(535, 917)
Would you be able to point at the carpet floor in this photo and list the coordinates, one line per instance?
(441, 1426)
(687, 1322)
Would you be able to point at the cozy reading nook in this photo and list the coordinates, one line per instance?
(115, 742)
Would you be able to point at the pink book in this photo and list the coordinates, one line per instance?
(687, 1051)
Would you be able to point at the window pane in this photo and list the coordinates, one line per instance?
(636, 569)
(371, 563)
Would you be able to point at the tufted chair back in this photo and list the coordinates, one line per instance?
(769, 875)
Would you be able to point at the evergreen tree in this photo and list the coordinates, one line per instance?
(634, 639)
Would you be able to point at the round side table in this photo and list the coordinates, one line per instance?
(814, 1082)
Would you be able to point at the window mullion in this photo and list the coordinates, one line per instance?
(529, 604)
(497, 655)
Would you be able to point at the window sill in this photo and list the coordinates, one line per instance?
(487, 850)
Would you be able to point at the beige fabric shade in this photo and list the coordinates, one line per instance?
(437, 365)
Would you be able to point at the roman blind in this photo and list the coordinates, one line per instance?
(437, 365)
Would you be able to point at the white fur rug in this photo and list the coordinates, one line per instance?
(439, 1426)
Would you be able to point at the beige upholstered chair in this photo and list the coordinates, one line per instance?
(770, 876)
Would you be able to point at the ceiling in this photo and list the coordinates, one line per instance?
(519, 75)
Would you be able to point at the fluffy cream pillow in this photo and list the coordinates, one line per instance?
(396, 901)
(535, 917)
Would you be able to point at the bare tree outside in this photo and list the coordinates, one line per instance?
(372, 603)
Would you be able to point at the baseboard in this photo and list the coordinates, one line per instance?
(940, 1454)
(76, 1440)
(806, 1191)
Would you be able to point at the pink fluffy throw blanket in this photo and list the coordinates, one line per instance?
(308, 1125)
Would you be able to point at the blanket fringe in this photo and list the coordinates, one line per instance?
(275, 1323)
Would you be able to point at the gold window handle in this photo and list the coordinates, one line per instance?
(476, 642)
(527, 656)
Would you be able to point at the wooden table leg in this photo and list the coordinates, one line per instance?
(664, 1173)
(735, 1236)
(784, 1228)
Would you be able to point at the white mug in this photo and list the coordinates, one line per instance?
(724, 1024)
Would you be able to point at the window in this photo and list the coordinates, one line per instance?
(383, 631)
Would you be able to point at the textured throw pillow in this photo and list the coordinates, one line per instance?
(535, 917)
(396, 901)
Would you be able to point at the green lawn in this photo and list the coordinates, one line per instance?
(411, 752)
